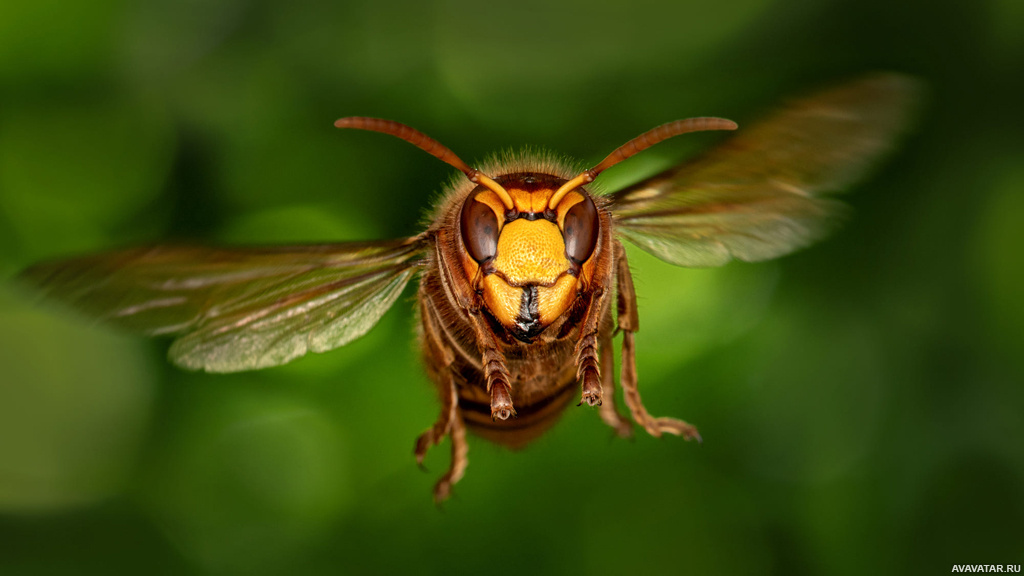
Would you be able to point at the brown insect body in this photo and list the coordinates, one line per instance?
(518, 269)
(541, 368)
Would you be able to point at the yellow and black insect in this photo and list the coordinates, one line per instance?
(517, 272)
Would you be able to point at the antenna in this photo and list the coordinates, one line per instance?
(428, 145)
(638, 144)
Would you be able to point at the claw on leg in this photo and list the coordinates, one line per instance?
(495, 372)
(501, 402)
(588, 371)
(592, 393)
(425, 442)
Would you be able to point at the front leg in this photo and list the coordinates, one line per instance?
(466, 297)
(629, 323)
(587, 362)
(495, 370)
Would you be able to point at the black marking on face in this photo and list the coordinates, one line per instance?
(529, 181)
(528, 321)
(547, 214)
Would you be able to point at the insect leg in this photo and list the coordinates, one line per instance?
(437, 347)
(460, 448)
(609, 413)
(587, 362)
(496, 375)
(495, 370)
(443, 425)
(629, 324)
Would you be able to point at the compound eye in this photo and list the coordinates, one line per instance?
(580, 229)
(479, 230)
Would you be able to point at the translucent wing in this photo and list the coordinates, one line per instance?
(758, 196)
(238, 308)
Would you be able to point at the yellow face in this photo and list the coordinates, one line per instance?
(529, 262)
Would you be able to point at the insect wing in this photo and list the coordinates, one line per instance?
(758, 195)
(238, 308)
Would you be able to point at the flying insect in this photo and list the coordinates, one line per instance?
(523, 278)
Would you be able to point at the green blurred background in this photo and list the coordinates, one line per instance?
(860, 402)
